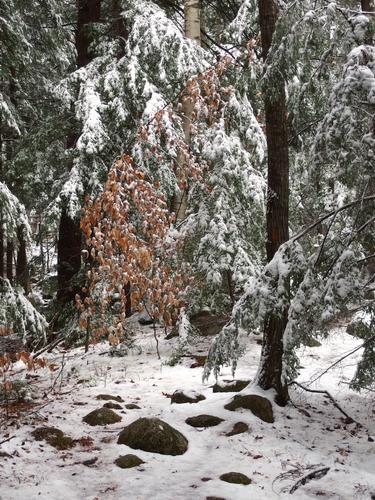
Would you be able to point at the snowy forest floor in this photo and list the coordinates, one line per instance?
(306, 436)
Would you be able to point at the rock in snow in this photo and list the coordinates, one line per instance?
(155, 436)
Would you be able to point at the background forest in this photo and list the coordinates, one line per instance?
(179, 224)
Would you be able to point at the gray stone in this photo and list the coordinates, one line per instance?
(208, 324)
(54, 437)
(155, 436)
(102, 416)
(230, 385)
(235, 478)
(238, 428)
(112, 406)
(179, 397)
(204, 421)
(108, 397)
(258, 405)
(128, 461)
(132, 406)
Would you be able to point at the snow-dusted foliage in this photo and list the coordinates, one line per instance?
(12, 211)
(19, 316)
(120, 90)
(321, 272)
(225, 229)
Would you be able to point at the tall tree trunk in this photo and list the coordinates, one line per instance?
(10, 252)
(270, 374)
(120, 33)
(2, 237)
(2, 260)
(22, 271)
(69, 244)
(368, 6)
(193, 32)
(118, 26)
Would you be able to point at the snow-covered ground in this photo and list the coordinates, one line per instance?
(306, 436)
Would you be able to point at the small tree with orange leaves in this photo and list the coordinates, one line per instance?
(133, 256)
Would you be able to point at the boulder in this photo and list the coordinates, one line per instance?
(54, 437)
(238, 428)
(155, 436)
(132, 406)
(112, 406)
(258, 405)
(173, 333)
(108, 397)
(204, 421)
(311, 342)
(181, 397)
(208, 324)
(128, 461)
(102, 416)
(235, 478)
(145, 319)
(230, 385)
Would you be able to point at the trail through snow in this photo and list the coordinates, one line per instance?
(308, 436)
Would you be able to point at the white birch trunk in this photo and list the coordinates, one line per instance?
(193, 32)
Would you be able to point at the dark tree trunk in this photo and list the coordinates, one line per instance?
(22, 272)
(270, 374)
(118, 27)
(69, 244)
(10, 252)
(2, 260)
(88, 13)
(69, 254)
(368, 6)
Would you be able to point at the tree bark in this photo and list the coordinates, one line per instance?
(270, 375)
(10, 252)
(368, 6)
(193, 32)
(88, 13)
(118, 26)
(69, 244)
(22, 271)
(2, 260)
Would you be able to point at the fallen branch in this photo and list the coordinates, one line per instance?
(49, 346)
(335, 403)
(6, 440)
(364, 344)
(316, 474)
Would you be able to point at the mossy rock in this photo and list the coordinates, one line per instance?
(112, 406)
(173, 333)
(54, 437)
(230, 385)
(258, 405)
(179, 397)
(208, 324)
(235, 478)
(132, 406)
(155, 436)
(204, 421)
(102, 416)
(128, 461)
(238, 428)
(108, 397)
(311, 342)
